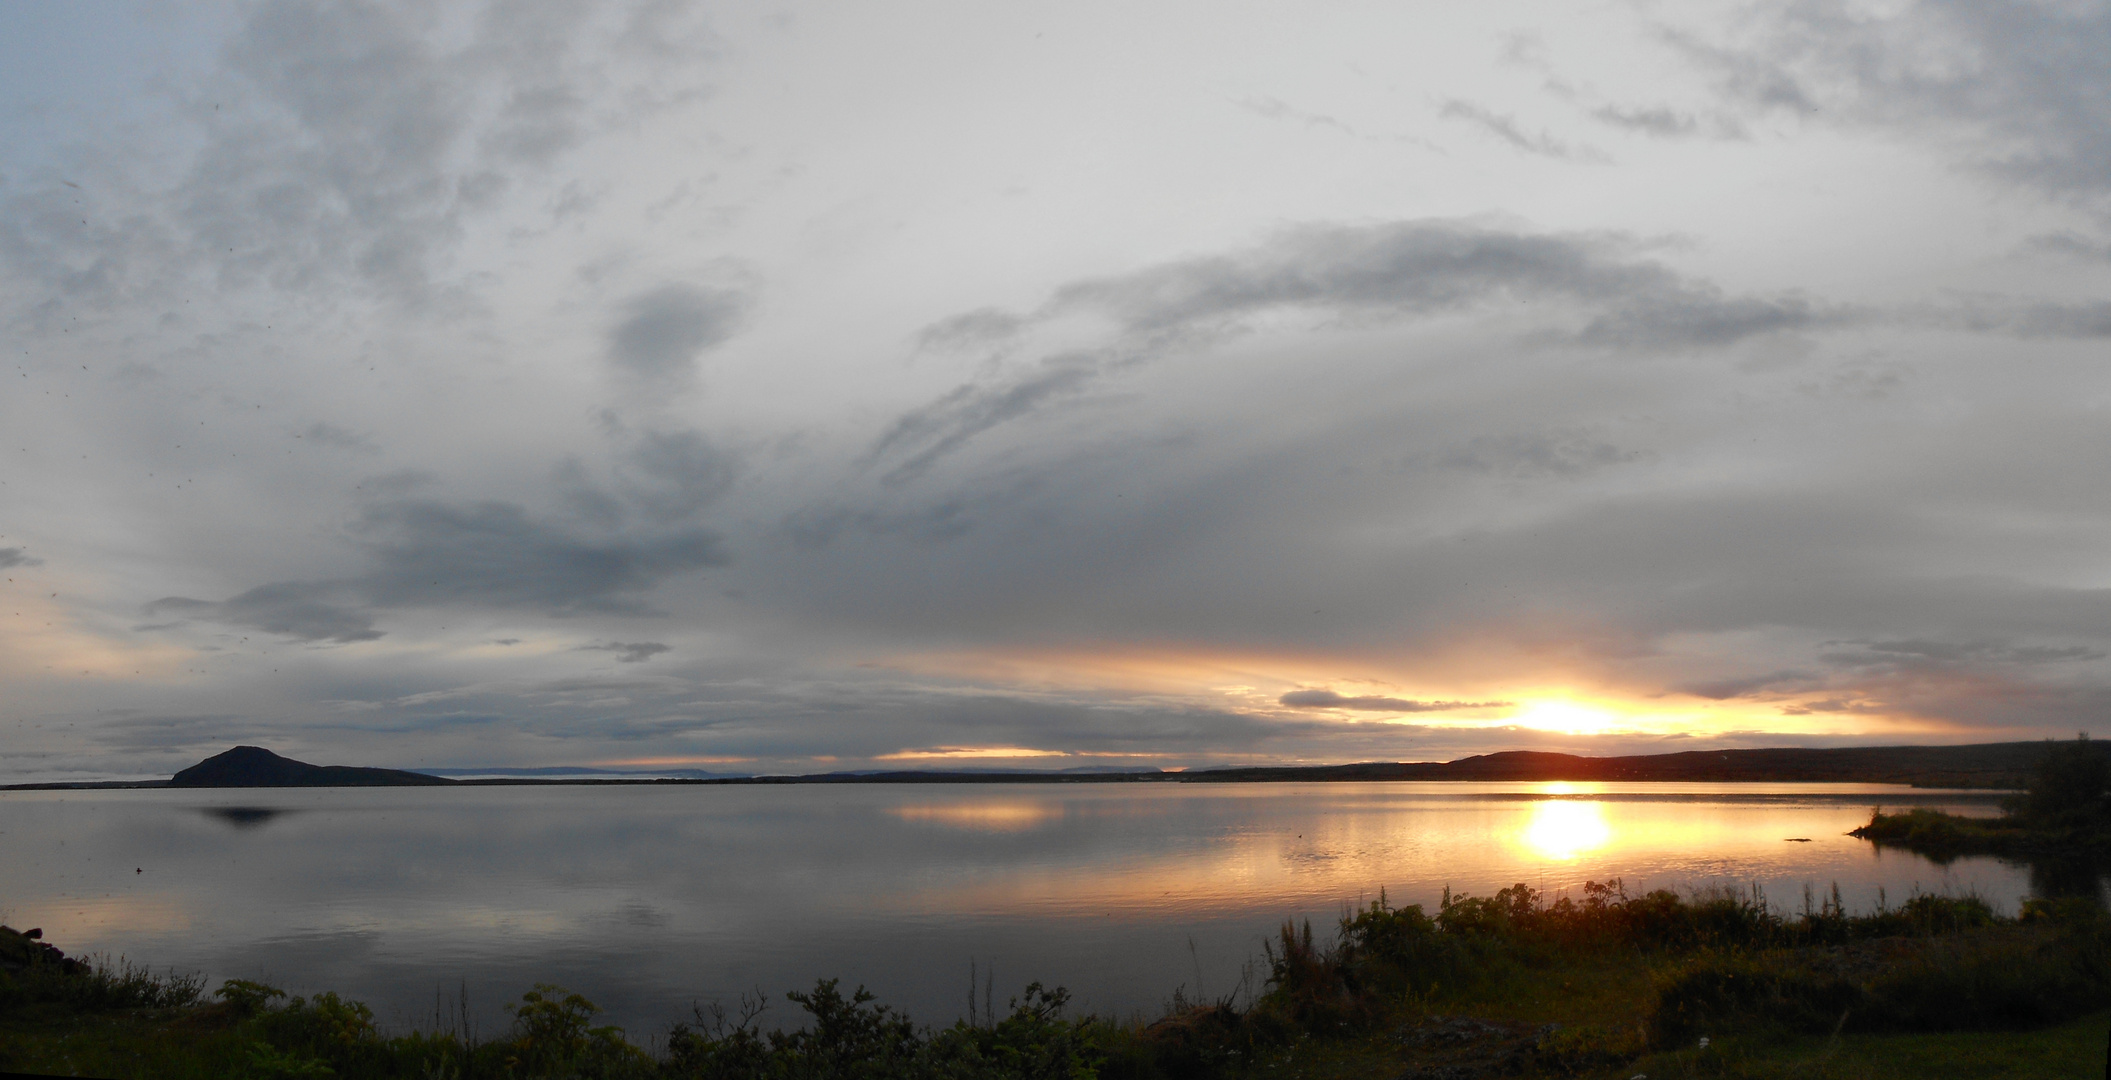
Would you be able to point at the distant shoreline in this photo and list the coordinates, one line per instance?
(1984, 767)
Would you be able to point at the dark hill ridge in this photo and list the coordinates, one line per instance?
(1987, 765)
(254, 766)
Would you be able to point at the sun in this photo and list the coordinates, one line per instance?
(1567, 717)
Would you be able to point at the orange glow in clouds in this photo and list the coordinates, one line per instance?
(1557, 697)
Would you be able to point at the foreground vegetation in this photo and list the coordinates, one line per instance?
(1600, 985)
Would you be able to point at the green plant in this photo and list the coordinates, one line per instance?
(247, 998)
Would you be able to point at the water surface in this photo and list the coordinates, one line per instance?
(646, 898)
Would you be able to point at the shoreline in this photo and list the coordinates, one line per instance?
(1990, 767)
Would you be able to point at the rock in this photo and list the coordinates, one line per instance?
(20, 950)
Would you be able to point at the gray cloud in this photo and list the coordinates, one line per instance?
(635, 652)
(424, 553)
(1399, 270)
(1954, 653)
(1328, 699)
(924, 435)
(322, 434)
(496, 555)
(663, 331)
(2073, 321)
(1558, 454)
(2018, 87)
(301, 611)
(1661, 122)
(14, 556)
(979, 327)
(673, 475)
(1506, 128)
(346, 144)
(1422, 268)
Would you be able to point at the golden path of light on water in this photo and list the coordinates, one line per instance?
(1562, 830)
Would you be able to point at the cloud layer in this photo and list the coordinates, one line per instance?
(782, 390)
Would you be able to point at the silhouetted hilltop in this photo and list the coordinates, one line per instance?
(254, 766)
(1987, 765)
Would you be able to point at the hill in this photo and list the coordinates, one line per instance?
(1986, 765)
(254, 766)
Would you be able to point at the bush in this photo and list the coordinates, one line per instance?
(99, 987)
(2072, 788)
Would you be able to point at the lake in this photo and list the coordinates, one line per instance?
(648, 898)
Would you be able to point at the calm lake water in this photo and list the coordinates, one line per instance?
(646, 899)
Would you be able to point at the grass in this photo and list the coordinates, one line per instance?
(1598, 985)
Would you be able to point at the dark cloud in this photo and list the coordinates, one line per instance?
(1424, 268)
(1399, 270)
(427, 553)
(1954, 653)
(14, 556)
(303, 612)
(2019, 88)
(1328, 699)
(424, 553)
(2073, 321)
(636, 652)
(672, 476)
(1724, 689)
(2072, 245)
(662, 332)
(923, 436)
(1834, 705)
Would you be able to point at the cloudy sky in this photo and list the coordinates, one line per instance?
(768, 388)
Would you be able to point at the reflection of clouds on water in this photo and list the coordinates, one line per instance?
(980, 816)
(1562, 830)
(646, 898)
(245, 817)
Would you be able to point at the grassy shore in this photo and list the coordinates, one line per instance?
(2064, 815)
(1598, 985)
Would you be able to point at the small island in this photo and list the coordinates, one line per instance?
(255, 767)
(2064, 814)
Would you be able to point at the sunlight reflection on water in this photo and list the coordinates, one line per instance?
(647, 898)
(1563, 830)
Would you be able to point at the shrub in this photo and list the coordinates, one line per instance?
(2071, 788)
(554, 1036)
(246, 998)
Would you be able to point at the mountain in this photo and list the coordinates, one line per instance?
(254, 766)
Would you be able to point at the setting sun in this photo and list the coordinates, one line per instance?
(1568, 718)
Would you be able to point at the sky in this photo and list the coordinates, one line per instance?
(764, 388)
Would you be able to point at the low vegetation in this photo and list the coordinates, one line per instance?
(2064, 813)
(1603, 984)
